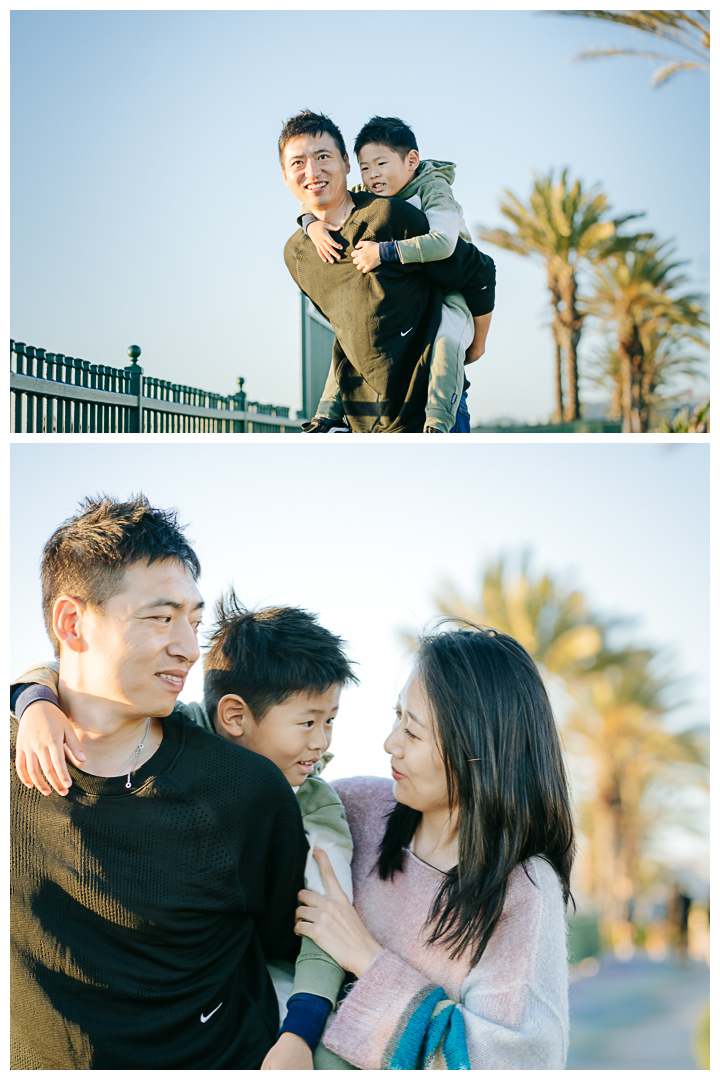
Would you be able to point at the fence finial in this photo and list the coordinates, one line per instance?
(133, 352)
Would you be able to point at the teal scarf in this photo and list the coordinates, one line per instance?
(436, 1027)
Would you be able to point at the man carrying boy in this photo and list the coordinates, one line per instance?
(145, 901)
(390, 166)
(272, 683)
(385, 323)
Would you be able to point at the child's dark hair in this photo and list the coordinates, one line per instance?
(310, 123)
(268, 655)
(389, 131)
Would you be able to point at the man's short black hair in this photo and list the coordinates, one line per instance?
(266, 656)
(87, 556)
(388, 131)
(309, 123)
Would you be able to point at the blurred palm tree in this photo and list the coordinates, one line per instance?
(551, 620)
(617, 727)
(615, 710)
(687, 30)
(666, 357)
(565, 226)
(636, 298)
(684, 423)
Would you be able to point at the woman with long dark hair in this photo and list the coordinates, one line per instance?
(461, 874)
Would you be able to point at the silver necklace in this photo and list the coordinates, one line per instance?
(348, 207)
(127, 767)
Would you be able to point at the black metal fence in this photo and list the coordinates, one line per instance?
(51, 393)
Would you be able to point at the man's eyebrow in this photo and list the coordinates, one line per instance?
(164, 601)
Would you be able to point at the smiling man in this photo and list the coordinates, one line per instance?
(385, 322)
(144, 900)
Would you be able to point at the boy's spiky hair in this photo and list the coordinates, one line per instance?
(309, 123)
(388, 131)
(87, 556)
(266, 656)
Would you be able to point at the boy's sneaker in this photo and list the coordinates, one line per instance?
(320, 426)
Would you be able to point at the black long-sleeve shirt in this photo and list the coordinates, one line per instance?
(385, 322)
(141, 917)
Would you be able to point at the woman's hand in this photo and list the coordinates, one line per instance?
(366, 255)
(45, 738)
(319, 233)
(333, 923)
(289, 1052)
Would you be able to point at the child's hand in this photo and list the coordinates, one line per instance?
(366, 255)
(45, 738)
(289, 1052)
(319, 233)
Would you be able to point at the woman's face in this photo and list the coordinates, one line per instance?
(417, 766)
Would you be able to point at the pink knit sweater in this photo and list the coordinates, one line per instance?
(513, 1003)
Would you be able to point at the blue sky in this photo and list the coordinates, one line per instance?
(149, 208)
(628, 524)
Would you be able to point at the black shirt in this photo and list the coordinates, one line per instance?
(141, 918)
(385, 322)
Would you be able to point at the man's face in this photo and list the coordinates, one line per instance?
(294, 734)
(140, 646)
(315, 171)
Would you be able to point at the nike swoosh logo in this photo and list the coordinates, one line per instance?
(204, 1019)
(405, 333)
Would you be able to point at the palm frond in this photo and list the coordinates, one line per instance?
(688, 31)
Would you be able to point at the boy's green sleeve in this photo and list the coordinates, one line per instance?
(44, 674)
(325, 825)
(444, 219)
(194, 711)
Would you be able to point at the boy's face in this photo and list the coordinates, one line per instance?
(294, 734)
(384, 171)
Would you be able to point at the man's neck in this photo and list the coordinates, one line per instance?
(338, 213)
(109, 731)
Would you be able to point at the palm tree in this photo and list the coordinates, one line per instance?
(666, 357)
(698, 422)
(636, 299)
(686, 30)
(549, 618)
(565, 226)
(617, 728)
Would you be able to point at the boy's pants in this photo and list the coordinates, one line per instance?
(446, 388)
(447, 370)
(462, 419)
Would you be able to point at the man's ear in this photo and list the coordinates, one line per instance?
(67, 623)
(233, 715)
(347, 165)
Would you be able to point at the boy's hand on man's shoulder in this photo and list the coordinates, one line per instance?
(45, 738)
(327, 248)
(366, 255)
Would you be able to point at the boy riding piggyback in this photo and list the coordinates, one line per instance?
(272, 683)
(390, 166)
